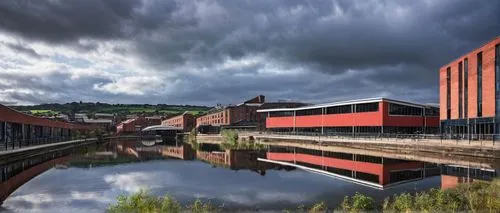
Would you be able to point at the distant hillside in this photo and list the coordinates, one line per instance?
(120, 109)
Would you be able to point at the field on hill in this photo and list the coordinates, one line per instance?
(119, 109)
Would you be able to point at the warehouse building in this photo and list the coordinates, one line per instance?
(374, 115)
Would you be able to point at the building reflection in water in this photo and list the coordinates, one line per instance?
(371, 171)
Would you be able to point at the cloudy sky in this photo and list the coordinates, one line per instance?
(208, 52)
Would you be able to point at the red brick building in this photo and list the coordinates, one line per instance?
(375, 115)
(18, 129)
(469, 92)
(230, 115)
(186, 121)
(132, 126)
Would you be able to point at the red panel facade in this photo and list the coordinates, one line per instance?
(279, 122)
(358, 119)
(9, 115)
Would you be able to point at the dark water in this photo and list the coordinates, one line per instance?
(90, 179)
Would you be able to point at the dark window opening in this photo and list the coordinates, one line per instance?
(448, 93)
(466, 88)
(398, 109)
(281, 114)
(460, 90)
(308, 112)
(344, 109)
(480, 84)
(368, 107)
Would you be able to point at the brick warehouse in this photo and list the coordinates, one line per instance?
(186, 121)
(241, 116)
(469, 93)
(374, 115)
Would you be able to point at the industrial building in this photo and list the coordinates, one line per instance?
(186, 122)
(374, 115)
(469, 93)
(135, 125)
(19, 130)
(241, 116)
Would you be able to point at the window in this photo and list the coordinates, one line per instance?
(339, 109)
(369, 107)
(460, 90)
(431, 111)
(281, 114)
(398, 109)
(497, 79)
(448, 93)
(480, 84)
(466, 87)
(308, 112)
(2, 132)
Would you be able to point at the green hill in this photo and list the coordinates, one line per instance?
(119, 109)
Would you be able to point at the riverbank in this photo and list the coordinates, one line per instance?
(473, 197)
(403, 146)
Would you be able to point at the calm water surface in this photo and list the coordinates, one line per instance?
(91, 180)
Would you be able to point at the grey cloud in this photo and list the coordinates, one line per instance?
(22, 49)
(396, 47)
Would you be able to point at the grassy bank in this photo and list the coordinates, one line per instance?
(475, 197)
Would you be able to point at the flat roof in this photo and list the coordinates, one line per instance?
(341, 103)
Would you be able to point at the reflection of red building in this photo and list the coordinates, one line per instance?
(379, 171)
(452, 175)
(186, 121)
(27, 173)
(375, 115)
(134, 125)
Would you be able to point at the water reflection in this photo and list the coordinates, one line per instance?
(89, 178)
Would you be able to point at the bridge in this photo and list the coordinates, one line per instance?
(19, 130)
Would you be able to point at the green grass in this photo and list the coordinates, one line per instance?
(476, 197)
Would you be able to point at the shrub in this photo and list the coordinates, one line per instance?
(361, 202)
(318, 207)
(230, 136)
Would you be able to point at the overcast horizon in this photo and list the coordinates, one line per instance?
(210, 52)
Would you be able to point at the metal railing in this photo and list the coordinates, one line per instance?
(22, 143)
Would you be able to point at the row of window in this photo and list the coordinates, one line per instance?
(344, 109)
(463, 86)
(394, 109)
(398, 109)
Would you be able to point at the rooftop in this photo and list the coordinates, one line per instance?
(340, 103)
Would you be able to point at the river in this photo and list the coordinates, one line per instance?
(88, 179)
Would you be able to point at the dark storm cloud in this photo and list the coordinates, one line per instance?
(395, 47)
(22, 49)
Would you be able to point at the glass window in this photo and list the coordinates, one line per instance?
(480, 84)
(448, 93)
(497, 79)
(466, 87)
(398, 109)
(460, 90)
(432, 111)
(2, 132)
(339, 109)
(369, 107)
(308, 112)
(281, 114)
